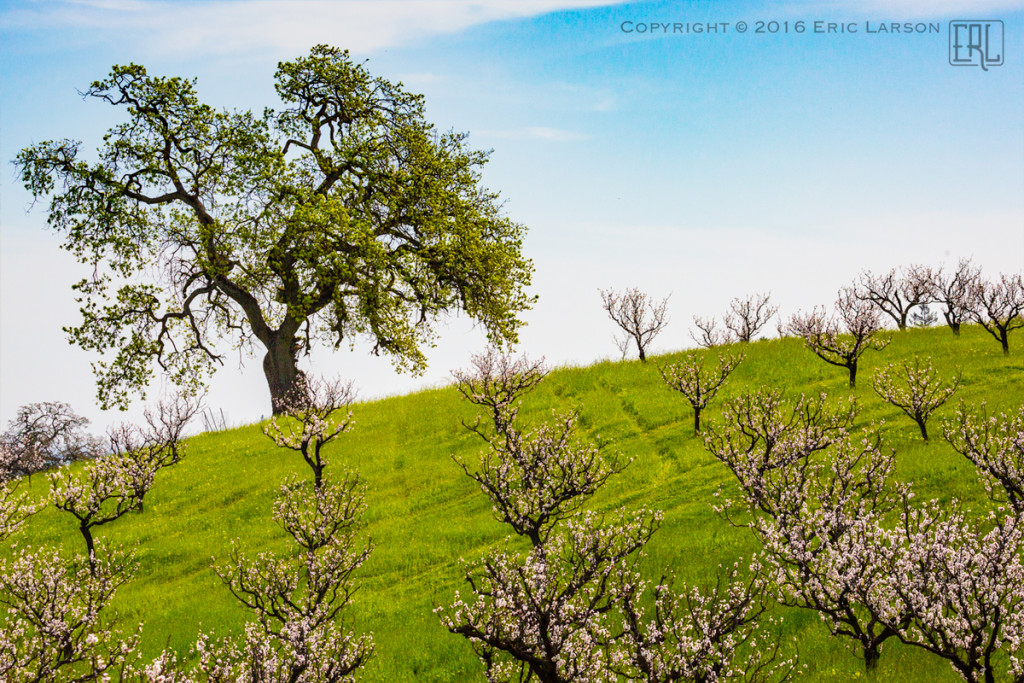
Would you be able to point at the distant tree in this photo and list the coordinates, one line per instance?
(343, 214)
(746, 317)
(708, 333)
(915, 388)
(841, 341)
(996, 447)
(639, 317)
(15, 508)
(955, 291)
(896, 293)
(999, 306)
(46, 435)
(308, 420)
(923, 316)
(689, 378)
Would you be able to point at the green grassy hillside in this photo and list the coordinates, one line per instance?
(424, 514)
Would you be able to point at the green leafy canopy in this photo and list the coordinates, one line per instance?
(342, 215)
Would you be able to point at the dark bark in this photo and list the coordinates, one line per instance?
(871, 656)
(924, 430)
(696, 420)
(90, 545)
(853, 374)
(281, 369)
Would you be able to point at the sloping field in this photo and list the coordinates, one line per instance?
(424, 514)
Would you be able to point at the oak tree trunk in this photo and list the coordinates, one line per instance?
(281, 369)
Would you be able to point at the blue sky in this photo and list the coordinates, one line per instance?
(705, 165)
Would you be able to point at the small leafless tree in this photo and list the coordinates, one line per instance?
(708, 333)
(689, 378)
(897, 292)
(996, 447)
(46, 435)
(999, 306)
(552, 613)
(915, 388)
(746, 317)
(841, 341)
(639, 317)
(311, 415)
(923, 316)
(954, 292)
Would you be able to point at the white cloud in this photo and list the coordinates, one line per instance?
(534, 133)
(912, 9)
(279, 26)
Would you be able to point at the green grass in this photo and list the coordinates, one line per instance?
(424, 514)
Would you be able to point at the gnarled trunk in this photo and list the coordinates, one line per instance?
(281, 368)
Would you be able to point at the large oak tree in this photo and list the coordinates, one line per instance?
(342, 215)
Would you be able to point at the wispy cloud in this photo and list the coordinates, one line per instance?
(280, 26)
(535, 133)
(912, 9)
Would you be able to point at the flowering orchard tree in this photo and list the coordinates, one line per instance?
(689, 378)
(46, 435)
(14, 507)
(954, 291)
(497, 383)
(896, 293)
(543, 612)
(814, 498)
(252, 658)
(541, 477)
(841, 341)
(996, 447)
(639, 316)
(746, 317)
(708, 333)
(298, 634)
(999, 306)
(111, 486)
(915, 388)
(962, 586)
(307, 420)
(52, 626)
(570, 607)
(699, 636)
(762, 431)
